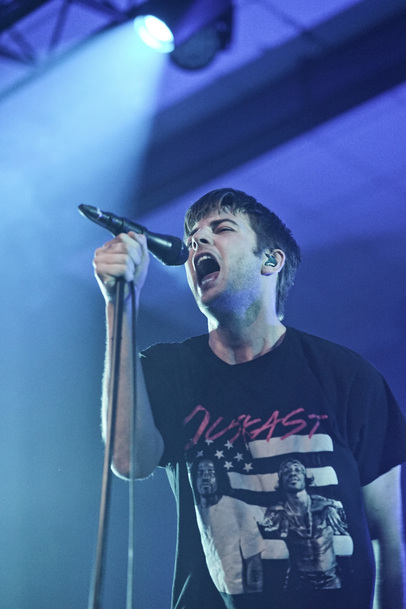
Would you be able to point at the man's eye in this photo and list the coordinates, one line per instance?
(224, 228)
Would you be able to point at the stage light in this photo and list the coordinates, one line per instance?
(200, 49)
(193, 30)
(155, 33)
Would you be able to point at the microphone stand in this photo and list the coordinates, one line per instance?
(99, 563)
(171, 251)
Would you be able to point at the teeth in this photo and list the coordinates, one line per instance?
(204, 257)
(205, 265)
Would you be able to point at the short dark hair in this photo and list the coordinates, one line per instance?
(271, 232)
(223, 481)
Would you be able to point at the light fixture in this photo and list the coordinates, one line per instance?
(155, 33)
(192, 30)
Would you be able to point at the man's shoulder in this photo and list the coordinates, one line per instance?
(325, 349)
(319, 502)
(191, 345)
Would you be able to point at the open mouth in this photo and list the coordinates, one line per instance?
(207, 269)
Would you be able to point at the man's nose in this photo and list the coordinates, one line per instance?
(201, 237)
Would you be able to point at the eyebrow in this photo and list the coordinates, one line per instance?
(213, 224)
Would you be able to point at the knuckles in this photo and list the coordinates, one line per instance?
(125, 255)
(121, 246)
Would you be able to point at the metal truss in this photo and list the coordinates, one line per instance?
(31, 31)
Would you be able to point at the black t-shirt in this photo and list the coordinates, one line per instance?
(310, 410)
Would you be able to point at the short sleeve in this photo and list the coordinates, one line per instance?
(377, 426)
(162, 396)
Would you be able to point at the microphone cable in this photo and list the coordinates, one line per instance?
(131, 490)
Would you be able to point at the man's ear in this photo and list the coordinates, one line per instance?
(273, 262)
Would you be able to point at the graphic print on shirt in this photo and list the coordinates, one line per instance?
(267, 491)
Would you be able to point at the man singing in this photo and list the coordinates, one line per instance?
(246, 396)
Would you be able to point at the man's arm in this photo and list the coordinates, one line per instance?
(127, 256)
(383, 502)
(254, 574)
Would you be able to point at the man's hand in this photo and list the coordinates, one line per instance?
(124, 256)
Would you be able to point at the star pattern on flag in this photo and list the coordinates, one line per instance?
(235, 458)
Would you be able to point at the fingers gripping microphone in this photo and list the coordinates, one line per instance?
(169, 250)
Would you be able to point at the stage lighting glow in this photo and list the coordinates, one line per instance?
(155, 33)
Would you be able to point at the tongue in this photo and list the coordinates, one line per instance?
(209, 278)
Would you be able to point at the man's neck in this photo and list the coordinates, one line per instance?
(299, 502)
(237, 343)
(208, 501)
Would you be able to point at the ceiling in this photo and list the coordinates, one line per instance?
(305, 110)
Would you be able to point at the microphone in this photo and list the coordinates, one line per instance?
(169, 250)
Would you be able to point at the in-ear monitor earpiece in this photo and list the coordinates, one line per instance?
(271, 260)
